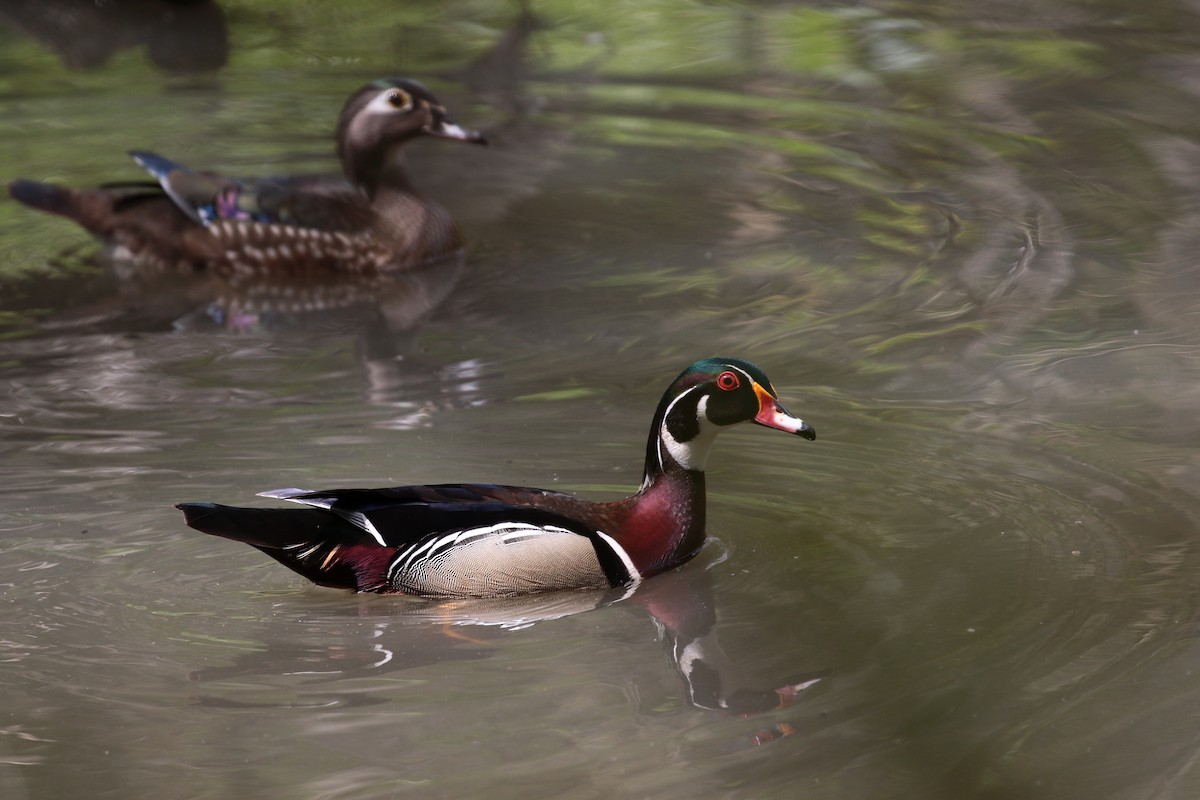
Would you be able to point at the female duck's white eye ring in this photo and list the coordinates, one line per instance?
(399, 99)
(728, 381)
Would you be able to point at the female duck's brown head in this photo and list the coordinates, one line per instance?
(379, 118)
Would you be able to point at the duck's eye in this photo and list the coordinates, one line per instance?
(399, 99)
(728, 381)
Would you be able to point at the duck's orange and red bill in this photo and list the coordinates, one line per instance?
(772, 414)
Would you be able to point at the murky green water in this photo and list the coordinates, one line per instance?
(959, 237)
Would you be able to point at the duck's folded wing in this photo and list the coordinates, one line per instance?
(477, 539)
(304, 540)
(452, 540)
(400, 515)
(210, 198)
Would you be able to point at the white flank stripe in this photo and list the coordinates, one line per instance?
(444, 543)
(360, 520)
(283, 494)
(413, 553)
(475, 533)
(309, 551)
(316, 502)
(634, 576)
(516, 533)
(356, 518)
(508, 532)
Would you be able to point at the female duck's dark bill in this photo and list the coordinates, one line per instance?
(772, 414)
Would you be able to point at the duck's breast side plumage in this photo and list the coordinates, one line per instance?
(501, 559)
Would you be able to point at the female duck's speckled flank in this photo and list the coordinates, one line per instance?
(486, 541)
(376, 223)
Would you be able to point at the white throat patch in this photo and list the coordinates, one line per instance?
(692, 454)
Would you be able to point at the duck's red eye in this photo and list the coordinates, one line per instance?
(728, 381)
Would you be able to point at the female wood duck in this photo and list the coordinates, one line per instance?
(475, 540)
(376, 223)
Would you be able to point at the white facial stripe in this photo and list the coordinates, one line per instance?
(749, 380)
(686, 452)
(382, 104)
(739, 369)
(692, 454)
(665, 437)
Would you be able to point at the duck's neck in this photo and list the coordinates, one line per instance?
(666, 525)
(377, 170)
(678, 440)
(666, 521)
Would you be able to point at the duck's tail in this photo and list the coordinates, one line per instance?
(320, 546)
(94, 209)
(45, 197)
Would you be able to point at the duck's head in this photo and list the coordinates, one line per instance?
(382, 116)
(707, 397)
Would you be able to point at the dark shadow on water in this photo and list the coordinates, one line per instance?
(179, 35)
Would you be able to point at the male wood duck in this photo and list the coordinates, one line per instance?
(376, 223)
(476, 540)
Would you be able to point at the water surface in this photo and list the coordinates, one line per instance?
(956, 236)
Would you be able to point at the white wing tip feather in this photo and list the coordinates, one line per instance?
(283, 494)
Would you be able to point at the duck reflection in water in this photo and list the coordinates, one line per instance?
(415, 633)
